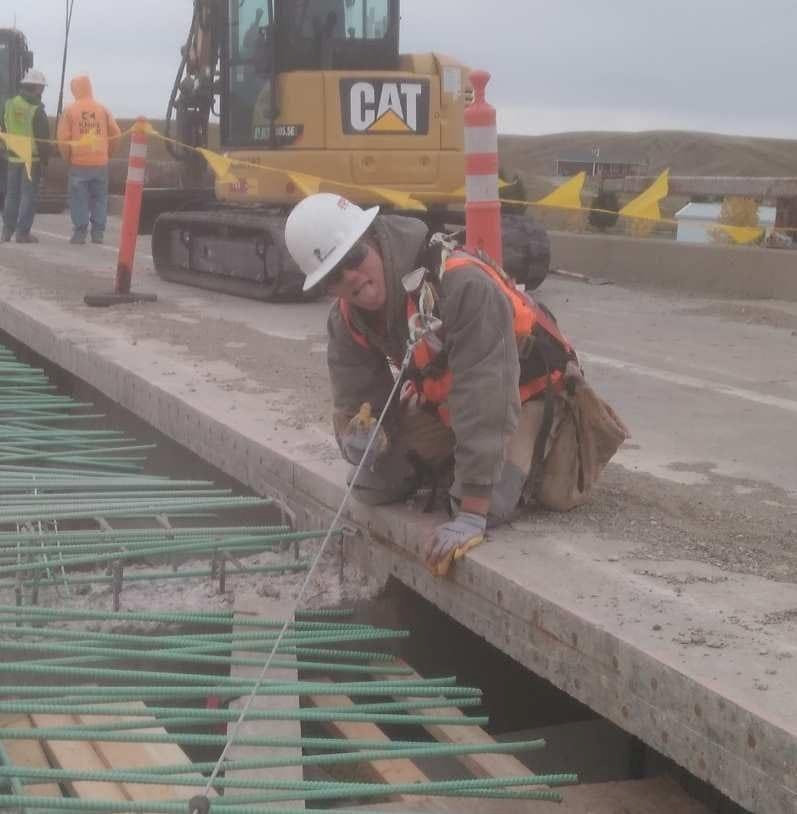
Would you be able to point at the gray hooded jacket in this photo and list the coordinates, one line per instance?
(477, 317)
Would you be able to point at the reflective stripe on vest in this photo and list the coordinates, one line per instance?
(527, 315)
(18, 117)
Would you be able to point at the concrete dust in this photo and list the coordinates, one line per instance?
(749, 313)
(289, 364)
(330, 586)
(708, 523)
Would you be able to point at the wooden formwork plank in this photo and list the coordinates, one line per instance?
(385, 771)
(78, 755)
(650, 796)
(490, 765)
(266, 609)
(141, 756)
(28, 753)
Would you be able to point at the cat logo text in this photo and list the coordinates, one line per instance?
(379, 107)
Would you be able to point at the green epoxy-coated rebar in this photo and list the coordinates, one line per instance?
(183, 655)
(223, 618)
(158, 807)
(313, 789)
(150, 576)
(201, 642)
(53, 469)
(13, 779)
(146, 735)
(131, 536)
(52, 472)
(95, 674)
(428, 750)
(231, 543)
(431, 688)
(51, 543)
(381, 708)
(218, 715)
(325, 666)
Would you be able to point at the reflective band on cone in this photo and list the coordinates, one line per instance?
(482, 206)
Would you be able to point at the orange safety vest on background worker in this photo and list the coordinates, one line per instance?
(429, 371)
(87, 117)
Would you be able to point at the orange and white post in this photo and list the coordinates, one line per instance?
(482, 205)
(131, 211)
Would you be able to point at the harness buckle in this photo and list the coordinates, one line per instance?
(425, 326)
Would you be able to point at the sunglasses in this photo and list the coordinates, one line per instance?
(351, 260)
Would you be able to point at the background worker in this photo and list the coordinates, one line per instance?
(88, 162)
(492, 381)
(24, 115)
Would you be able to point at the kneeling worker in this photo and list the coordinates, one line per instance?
(492, 383)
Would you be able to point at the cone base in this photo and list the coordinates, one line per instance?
(111, 298)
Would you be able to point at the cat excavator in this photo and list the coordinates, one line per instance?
(301, 89)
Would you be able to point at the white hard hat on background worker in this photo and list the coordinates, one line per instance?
(34, 77)
(320, 231)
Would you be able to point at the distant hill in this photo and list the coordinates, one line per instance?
(685, 153)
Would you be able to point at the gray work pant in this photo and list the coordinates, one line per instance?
(421, 434)
(585, 434)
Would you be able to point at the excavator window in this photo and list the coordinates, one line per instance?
(338, 34)
(269, 37)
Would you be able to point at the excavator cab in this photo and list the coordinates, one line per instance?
(268, 38)
(306, 92)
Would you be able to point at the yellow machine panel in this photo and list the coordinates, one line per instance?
(360, 129)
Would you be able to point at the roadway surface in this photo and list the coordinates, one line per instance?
(685, 562)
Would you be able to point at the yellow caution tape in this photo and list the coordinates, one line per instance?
(567, 196)
(22, 147)
(220, 164)
(645, 207)
(742, 234)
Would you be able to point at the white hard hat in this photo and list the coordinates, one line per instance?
(320, 231)
(34, 77)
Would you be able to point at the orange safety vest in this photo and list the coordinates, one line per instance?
(432, 381)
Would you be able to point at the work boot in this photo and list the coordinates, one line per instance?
(6, 236)
(78, 238)
(98, 238)
(26, 237)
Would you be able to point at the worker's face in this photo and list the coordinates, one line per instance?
(360, 281)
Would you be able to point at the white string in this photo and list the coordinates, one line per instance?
(234, 732)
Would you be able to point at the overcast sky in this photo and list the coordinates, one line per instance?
(718, 65)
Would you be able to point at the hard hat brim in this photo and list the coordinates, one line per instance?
(317, 275)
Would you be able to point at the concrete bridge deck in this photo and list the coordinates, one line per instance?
(669, 605)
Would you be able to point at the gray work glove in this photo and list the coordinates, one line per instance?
(453, 540)
(359, 433)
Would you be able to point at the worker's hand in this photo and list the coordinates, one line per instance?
(359, 432)
(453, 540)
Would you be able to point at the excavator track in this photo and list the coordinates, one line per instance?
(237, 251)
(242, 252)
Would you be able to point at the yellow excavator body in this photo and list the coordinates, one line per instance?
(358, 130)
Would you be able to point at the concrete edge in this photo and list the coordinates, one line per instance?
(723, 271)
(633, 690)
